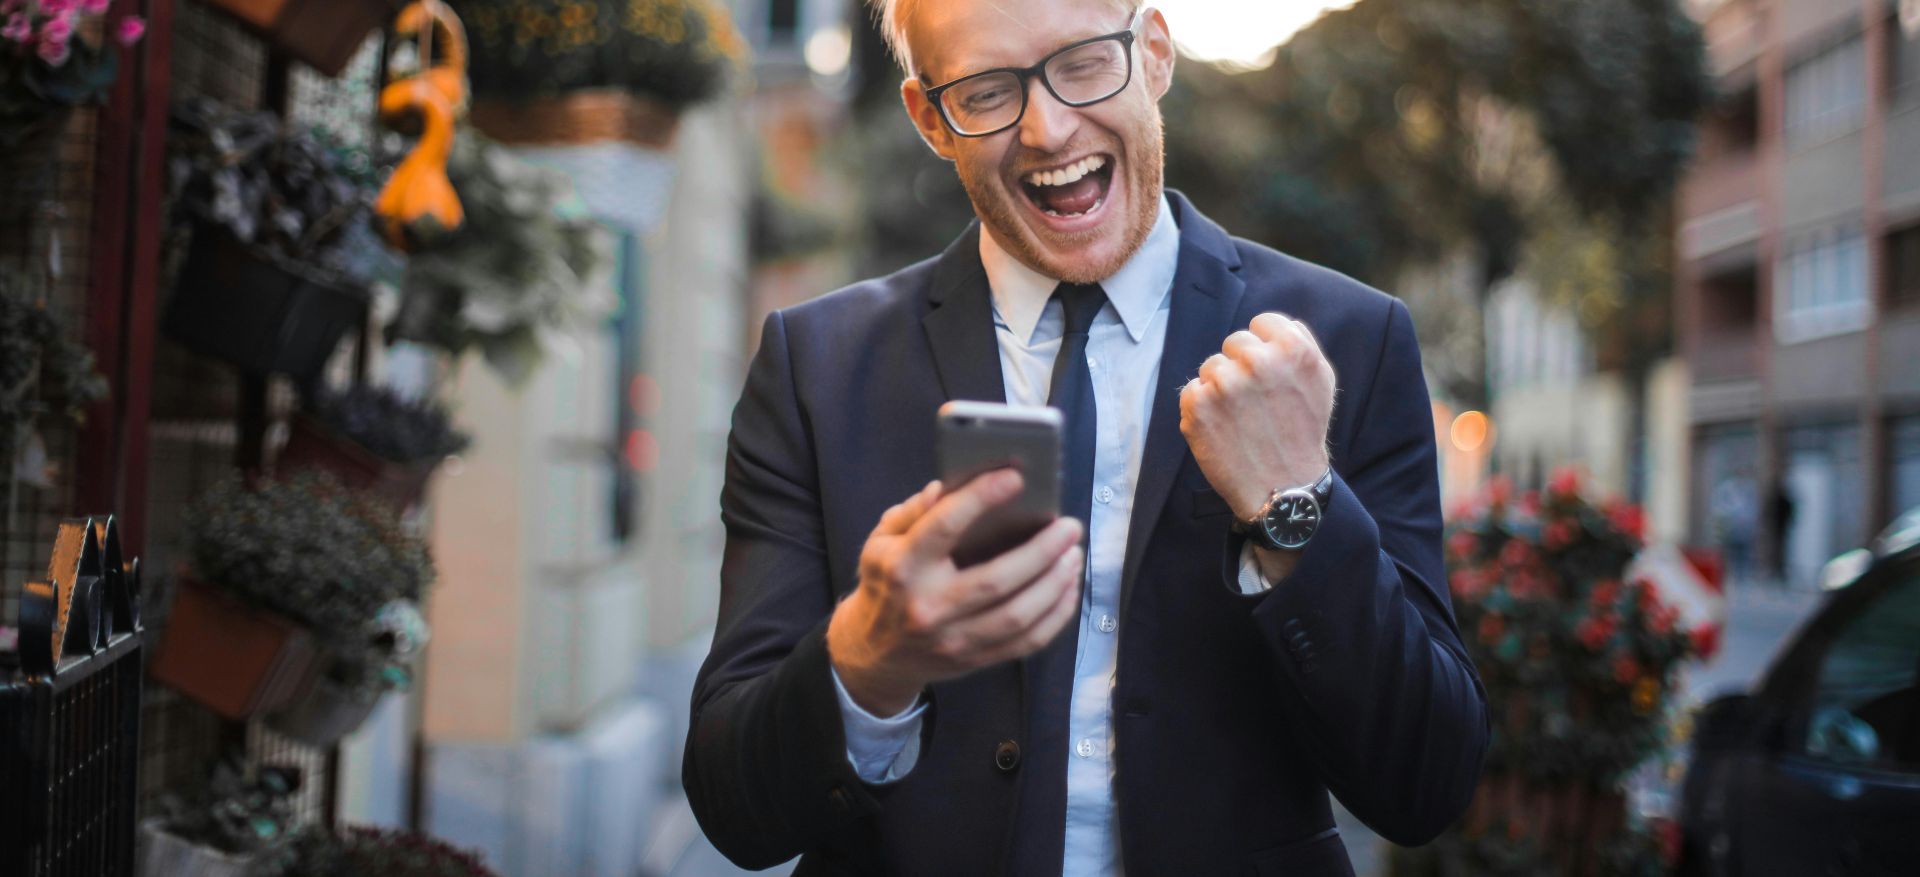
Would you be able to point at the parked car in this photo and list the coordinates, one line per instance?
(1817, 771)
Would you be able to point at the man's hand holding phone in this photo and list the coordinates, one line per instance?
(918, 618)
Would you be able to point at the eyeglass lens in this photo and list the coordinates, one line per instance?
(1082, 75)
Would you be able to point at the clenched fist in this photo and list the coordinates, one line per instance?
(1256, 417)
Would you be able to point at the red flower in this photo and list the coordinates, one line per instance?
(1646, 595)
(1491, 626)
(1628, 519)
(1557, 535)
(1462, 543)
(1706, 641)
(1594, 631)
(1515, 553)
(1499, 488)
(1662, 619)
(1530, 503)
(1605, 593)
(1464, 583)
(1565, 482)
(1625, 669)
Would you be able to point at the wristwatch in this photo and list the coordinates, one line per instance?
(1290, 517)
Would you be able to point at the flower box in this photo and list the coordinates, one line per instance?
(576, 118)
(325, 34)
(236, 660)
(258, 314)
(313, 445)
(323, 712)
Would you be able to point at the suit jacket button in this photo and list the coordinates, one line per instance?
(1007, 755)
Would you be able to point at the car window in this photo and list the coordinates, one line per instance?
(1866, 705)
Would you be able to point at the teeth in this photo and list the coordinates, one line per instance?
(1067, 174)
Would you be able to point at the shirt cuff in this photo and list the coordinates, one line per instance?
(880, 750)
(1251, 582)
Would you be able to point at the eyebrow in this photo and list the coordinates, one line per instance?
(929, 82)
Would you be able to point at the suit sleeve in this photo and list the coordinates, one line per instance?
(766, 768)
(1369, 656)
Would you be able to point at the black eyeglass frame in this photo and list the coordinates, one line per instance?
(1026, 75)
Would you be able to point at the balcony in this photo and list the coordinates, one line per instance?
(1726, 355)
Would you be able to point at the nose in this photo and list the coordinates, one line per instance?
(1048, 125)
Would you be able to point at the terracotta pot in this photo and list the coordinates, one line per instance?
(588, 116)
(263, 317)
(324, 33)
(237, 660)
(312, 444)
(323, 712)
(165, 855)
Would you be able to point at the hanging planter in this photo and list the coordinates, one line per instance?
(236, 660)
(262, 315)
(592, 116)
(323, 33)
(167, 855)
(375, 439)
(324, 711)
(313, 445)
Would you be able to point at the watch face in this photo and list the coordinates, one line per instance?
(1293, 519)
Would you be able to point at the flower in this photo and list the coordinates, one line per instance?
(1628, 519)
(95, 7)
(1594, 631)
(1565, 481)
(17, 29)
(1491, 626)
(1626, 670)
(130, 30)
(1462, 543)
(54, 52)
(58, 29)
(1557, 535)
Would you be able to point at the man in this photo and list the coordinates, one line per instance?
(1242, 609)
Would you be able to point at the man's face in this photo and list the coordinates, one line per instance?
(1027, 182)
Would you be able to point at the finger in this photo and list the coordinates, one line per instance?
(986, 584)
(1027, 605)
(1305, 335)
(1064, 586)
(1219, 371)
(933, 536)
(1244, 347)
(1270, 326)
(897, 519)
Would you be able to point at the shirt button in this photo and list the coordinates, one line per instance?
(1106, 494)
(1107, 623)
(1085, 748)
(1093, 362)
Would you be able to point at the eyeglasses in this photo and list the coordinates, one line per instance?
(1079, 74)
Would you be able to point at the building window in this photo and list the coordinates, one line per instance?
(1827, 94)
(1820, 287)
(1904, 59)
(1903, 267)
(1904, 448)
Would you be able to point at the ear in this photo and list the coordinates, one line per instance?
(926, 118)
(1156, 53)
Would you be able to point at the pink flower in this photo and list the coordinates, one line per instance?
(58, 8)
(131, 29)
(18, 29)
(54, 52)
(57, 30)
(94, 7)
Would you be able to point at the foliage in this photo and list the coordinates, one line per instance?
(1398, 133)
(1577, 662)
(394, 427)
(1504, 851)
(527, 264)
(42, 371)
(677, 51)
(295, 196)
(310, 549)
(362, 850)
(49, 62)
(234, 811)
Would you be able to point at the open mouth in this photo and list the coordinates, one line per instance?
(1072, 191)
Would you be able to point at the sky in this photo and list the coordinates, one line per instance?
(1239, 31)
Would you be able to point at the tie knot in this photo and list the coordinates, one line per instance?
(1081, 303)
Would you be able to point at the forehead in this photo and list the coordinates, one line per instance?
(951, 38)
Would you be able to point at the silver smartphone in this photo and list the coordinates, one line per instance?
(979, 437)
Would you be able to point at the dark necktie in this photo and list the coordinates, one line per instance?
(1071, 391)
(1047, 677)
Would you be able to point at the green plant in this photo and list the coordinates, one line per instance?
(236, 810)
(527, 264)
(394, 427)
(308, 548)
(360, 850)
(677, 51)
(50, 62)
(42, 371)
(295, 196)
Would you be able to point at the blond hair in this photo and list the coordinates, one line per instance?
(892, 18)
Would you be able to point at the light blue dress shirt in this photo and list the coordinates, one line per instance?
(1123, 358)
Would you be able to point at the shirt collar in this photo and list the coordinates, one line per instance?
(1020, 293)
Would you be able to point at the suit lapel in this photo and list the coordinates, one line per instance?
(1206, 299)
(960, 324)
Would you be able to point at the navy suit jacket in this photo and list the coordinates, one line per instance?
(1234, 716)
